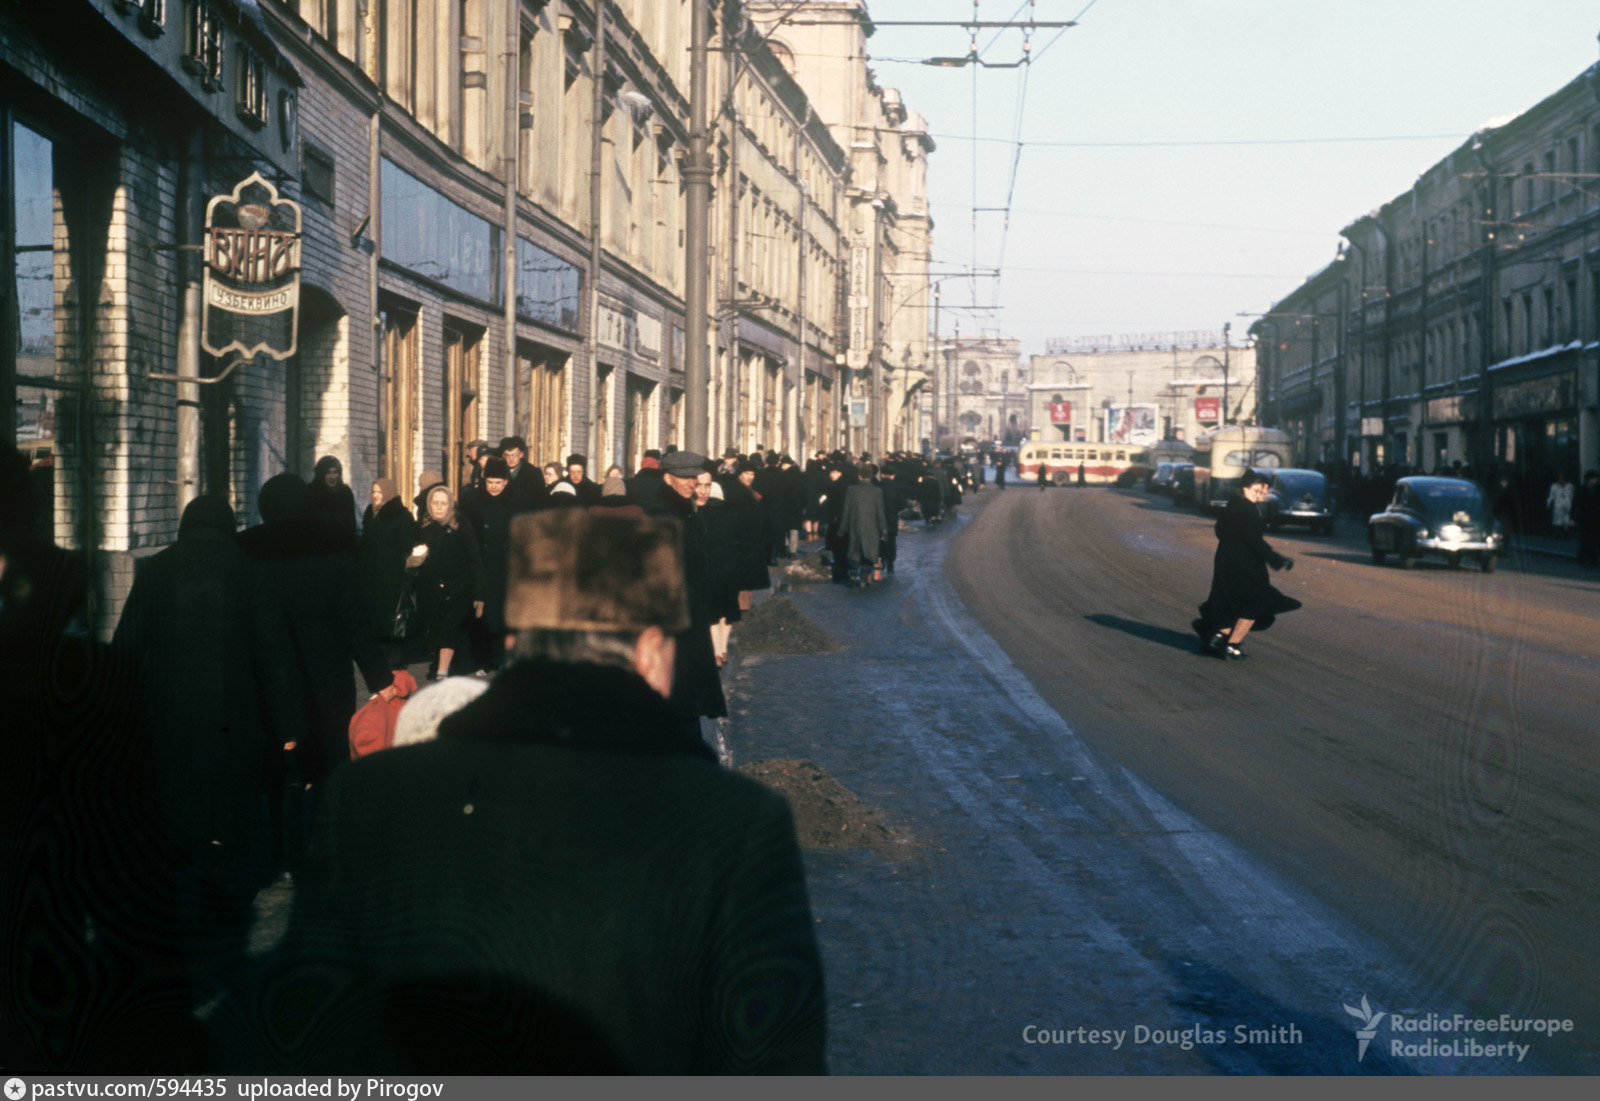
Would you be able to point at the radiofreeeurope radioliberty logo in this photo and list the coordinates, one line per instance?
(1413, 1034)
(1368, 1029)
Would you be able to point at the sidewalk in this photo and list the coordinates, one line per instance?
(1548, 546)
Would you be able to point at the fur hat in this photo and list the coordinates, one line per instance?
(495, 467)
(575, 570)
(684, 464)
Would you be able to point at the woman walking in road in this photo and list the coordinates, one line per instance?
(1241, 597)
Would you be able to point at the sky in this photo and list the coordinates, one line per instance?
(1207, 152)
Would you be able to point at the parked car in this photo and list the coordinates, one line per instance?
(1161, 480)
(1296, 496)
(1183, 484)
(1448, 517)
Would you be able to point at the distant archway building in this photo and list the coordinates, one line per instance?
(982, 390)
(1187, 377)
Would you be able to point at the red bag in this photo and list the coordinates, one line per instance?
(372, 726)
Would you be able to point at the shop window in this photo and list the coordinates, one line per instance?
(398, 416)
(547, 409)
(30, 367)
(460, 402)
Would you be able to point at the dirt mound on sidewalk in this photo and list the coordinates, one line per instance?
(826, 814)
(776, 626)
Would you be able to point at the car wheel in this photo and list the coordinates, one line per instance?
(1454, 561)
(1378, 554)
(1488, 562)
(1408, 561)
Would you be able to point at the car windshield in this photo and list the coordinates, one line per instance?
(1298, 485)
(1458, 503)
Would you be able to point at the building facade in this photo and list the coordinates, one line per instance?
(983, 395)
(491, 242)
(885, 301)
(1181, 383)
(1461, 323)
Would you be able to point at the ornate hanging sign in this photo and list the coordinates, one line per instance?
(252, 280)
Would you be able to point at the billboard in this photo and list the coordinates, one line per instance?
(1134, 425)
(1208, 410)
(1061, 412)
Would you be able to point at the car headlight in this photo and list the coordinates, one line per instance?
(1422, 533)
(1450, 531)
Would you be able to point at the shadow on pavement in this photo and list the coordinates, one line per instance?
(1178, 640)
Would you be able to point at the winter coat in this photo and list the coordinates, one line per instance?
(561, 882)
(205, 639)
(696, 686)
(491, 518)
(337, 507)
(748, 530)
(449, 580)
(316, 583)
(386, 541)
(864, 523)
(722, 544)
(372, 727)
(1239, 585)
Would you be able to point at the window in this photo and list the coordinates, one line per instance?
(152, 16)
(203, 43)
(1573, 167)
(1549, 316)
(316, 178)
(1548, 191)
(1527, 323)
(29, 359)
(252, 93)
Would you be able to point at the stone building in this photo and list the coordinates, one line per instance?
(491, 243)
(1185, 382)
(982, 391)
(1461, 322)
(885, 300)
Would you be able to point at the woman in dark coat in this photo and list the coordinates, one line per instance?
(1241, 596)
(450, 580)
(332, 499)
(388, 532)
(492, 517)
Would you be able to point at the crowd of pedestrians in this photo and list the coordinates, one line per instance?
(156, 783)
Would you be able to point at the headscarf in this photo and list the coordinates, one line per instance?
(387, 487)
(450, 518)
(324, 464)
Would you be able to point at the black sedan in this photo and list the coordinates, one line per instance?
(1296, 496)
(1447, 517)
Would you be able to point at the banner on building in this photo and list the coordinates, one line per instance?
(251, 290)
(1208, 410)
(1061, 412)
(1134, 425)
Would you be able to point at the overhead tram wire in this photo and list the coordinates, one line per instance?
(1203, 143)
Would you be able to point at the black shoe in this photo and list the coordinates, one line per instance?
(1230, 652)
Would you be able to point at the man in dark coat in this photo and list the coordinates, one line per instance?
(314, 580)
(863, 524)
(561, 882)
(1241, 597)
(203, 637)
(588, 491)
(696, 687)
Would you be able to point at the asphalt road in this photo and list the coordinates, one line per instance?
(1417, 750)
(1102, 832)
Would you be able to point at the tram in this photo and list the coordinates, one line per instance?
(1103, 463)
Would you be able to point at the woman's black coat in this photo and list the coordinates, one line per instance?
(1239, 585)
(386, 541)
(747, 527)
(448, 582)
(492, 517)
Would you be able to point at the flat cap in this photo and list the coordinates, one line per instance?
(683, 464)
